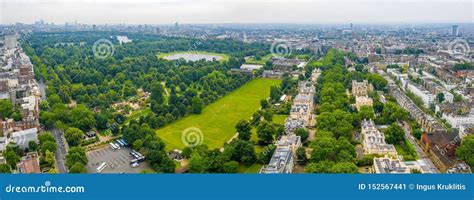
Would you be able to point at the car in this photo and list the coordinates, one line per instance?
(134, 165)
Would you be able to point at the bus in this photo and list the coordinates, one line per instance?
(118, 146)
(114, 146)
(119, 142)
(101, 167)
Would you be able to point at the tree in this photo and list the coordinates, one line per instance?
(197, 163)
(231, 167)
(417, 133)
(394, 134)
(264, 104)
(48, 146)
(466, 150)
(301, 155)
(265, 132)
(47, 119)
(76, 158)
(303, 133)
(197, 105)
(157, 92)
(338, 122)
(12, 158)
(440, 97)
(240, 151)
(77, 168)
(344, 167)
(328, 148)
(32, 146)
(82, 118)
(366, 112)
(46, 136)
(319, 167)
(5, 169)
(48, 159)
(275, 93)
(244, 128)
(266, 154)
(74, 136)
(6, 109)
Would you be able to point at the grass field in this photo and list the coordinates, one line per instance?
(252, 169)
(217, 120)
(279, 119)
(259, 62)
(225, 57)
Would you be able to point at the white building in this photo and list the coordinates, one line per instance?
(250, 67)
(465, 130)
(425, 95)
(374, 140)
(282, 160)
(363, 101)
(389, 165)
(457, 120)
(23, 137)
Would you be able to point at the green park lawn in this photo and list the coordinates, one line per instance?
(225, 57)
(259, 62)
(279, 119)
(217, 120)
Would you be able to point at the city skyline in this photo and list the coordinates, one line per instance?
(215, 12)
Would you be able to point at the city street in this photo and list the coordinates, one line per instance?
(421, 154)
(61, 151)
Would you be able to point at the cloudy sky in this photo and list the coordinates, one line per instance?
(237, 11)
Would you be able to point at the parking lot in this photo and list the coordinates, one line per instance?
(118, 161)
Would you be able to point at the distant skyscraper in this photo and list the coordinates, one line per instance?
(352, 27)
(454, 30)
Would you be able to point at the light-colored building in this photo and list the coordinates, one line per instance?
(363, 101)
(11, 41)
(465, 130)
(315, 75)
(391, 165)
(23, 137)
(361, 88)
(423, 94)
(374, 140)
(306, 87)
(250, 67)
(457, 114)
(282, 161)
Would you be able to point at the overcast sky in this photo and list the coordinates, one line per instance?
(237, 11)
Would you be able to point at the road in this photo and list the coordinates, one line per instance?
(421, 154)
(61, 151)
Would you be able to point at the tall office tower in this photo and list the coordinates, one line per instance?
(454, 30)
